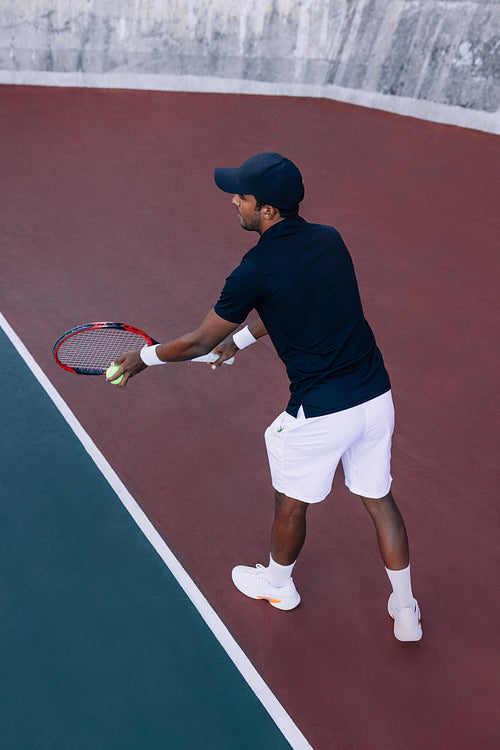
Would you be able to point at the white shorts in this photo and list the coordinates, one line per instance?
(304, 453)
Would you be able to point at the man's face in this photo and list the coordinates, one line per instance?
(249, 217)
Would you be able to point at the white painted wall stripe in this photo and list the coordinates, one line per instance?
(211, 618)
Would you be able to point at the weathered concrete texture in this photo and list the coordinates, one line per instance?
(445, 51)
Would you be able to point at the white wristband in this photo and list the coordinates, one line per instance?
(244, 338)
(150, 357)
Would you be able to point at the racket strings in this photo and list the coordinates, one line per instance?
(97, 348)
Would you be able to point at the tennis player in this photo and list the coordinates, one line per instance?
(300, 280)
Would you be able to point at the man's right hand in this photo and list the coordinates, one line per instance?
(225, 350)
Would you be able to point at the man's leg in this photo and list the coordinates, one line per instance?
(275, 583)
(289, 529)
(393, 545)
(391, 531)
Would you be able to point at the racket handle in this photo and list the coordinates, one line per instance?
(211, 357)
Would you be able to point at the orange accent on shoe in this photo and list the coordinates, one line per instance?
(268, 599)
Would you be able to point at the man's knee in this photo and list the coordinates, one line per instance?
(375, 505)
(289, 507)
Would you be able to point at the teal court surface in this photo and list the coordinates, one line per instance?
(100, 646)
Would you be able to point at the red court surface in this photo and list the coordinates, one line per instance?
(108, 211)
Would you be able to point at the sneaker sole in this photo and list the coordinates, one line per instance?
(280, 604)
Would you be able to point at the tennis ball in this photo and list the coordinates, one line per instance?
(111, 371)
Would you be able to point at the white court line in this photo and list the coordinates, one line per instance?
(211, 618)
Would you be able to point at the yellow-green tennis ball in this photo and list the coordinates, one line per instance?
(111, 371)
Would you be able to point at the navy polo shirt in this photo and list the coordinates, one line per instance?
(300, 279)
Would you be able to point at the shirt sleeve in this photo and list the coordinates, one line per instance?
(241, 293)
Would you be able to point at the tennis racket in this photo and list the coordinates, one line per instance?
(90, 349)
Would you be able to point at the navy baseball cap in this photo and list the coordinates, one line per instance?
(270, 177)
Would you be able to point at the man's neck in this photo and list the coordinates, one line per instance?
(268, 223)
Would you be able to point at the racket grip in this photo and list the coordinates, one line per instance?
(211, 357)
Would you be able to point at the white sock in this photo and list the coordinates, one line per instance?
(401, 586)
(277, 574)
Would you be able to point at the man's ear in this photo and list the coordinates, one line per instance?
(270, 212)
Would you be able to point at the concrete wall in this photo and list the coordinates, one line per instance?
(445, 52)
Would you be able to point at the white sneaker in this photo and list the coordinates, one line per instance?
(407, 625)
(253, 583)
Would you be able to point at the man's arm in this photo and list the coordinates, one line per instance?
(211, 332)
(257, 328)
(228, 349)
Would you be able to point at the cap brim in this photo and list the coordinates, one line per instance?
(226, 179)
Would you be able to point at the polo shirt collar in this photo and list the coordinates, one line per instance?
(282, 228)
